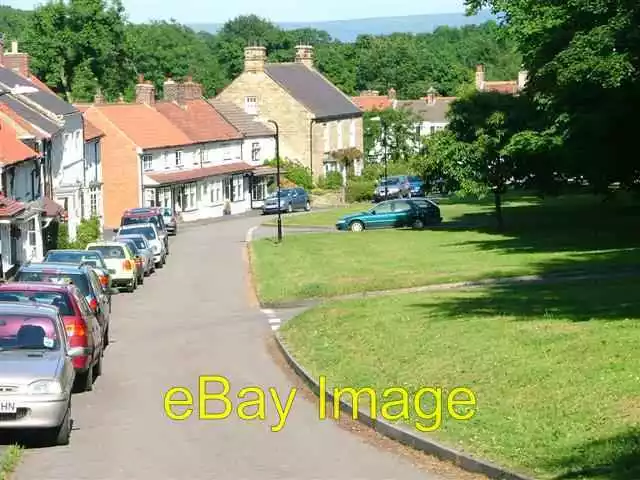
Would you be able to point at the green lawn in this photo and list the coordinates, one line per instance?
(9, 459)
(563, 234)
(320, 218)
(555, 370)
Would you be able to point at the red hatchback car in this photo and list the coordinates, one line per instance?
(83, 330)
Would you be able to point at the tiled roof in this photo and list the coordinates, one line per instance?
(199, 173)
(144, 125)
(90, 130)
(510, 86)
(199, 121)
(311, 89)
(245, 123)
(43, 97)
(436, 112)
(12, 150)
(50, 207)
(369, 103)
(47, 126)
(10, 207)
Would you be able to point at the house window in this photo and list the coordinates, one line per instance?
(93, 202)
(418, 129)
(432, 129)
(255, 152)
(147, 162)
(352, 133)
(189, 197)
(238, 188)
(226, 188)
(164, 197)
(327, 138)
(258, 188)
(226, 155)
(32, 232)
(165, 157)
(203, 155)
(251, 105)
(149, 197)
(339, 127)
(178, 158)
(215, 192)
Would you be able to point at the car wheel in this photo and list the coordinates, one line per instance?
(356, 226)
(84, 381)
(418, 224)
(106, 337)
(61, 434)
(307, 206)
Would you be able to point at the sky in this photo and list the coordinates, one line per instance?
(212, 11)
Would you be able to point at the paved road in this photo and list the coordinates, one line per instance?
(194, 318)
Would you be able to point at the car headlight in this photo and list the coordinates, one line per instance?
(44, 387)
(156, 249)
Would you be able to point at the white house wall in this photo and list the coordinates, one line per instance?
(92, 165)
(267, 149)
(215, 153)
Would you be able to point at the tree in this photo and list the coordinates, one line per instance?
(394, 129)
(487, 121)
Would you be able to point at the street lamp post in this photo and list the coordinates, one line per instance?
(384, 138)
(278, 178)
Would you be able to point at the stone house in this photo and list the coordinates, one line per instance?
(314, 118)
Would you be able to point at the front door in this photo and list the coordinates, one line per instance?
(15, 245)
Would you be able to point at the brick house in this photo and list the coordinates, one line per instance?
(314, 117)
(178, 152)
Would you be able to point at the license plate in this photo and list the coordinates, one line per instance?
(7, 406)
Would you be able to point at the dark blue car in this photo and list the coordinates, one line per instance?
(416, 185)
(291, 199)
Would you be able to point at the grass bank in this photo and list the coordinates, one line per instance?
(541, 236)
(555, 370)
(9, 459)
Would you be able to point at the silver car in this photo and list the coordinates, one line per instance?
(36, 372)
(144, 247)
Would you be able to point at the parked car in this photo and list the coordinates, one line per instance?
(153, 237)
(137, 258)
(416, 186)
(77, 257)
(121, 262)
(170, 220)
(36, 372)
(144, 249)
(291, 199)
(392, 214)
(82, 276)
(85, 337)
(392, 187)
(136, 216)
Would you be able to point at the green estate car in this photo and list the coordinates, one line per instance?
(414, 212)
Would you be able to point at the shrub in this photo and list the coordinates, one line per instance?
(62, 238)
(360, 191)
(332, 181)
(88, 231)
(297, 174)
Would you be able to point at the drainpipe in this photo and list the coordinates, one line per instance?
(139, 151)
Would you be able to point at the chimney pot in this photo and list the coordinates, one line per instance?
(145, 92)
(392, 93)
(304, 55)
(140, 78)
(255, 58)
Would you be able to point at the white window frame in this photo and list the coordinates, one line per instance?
(189, 198)
(215, 191)
(204, 155)
(352, 133)
(238, 188)
(31, 233)
(251, 105)
(227, 189)
(147, 162)
(258, 189)
(165, 157)
(93, 202)
(178, 158)
(255, 151)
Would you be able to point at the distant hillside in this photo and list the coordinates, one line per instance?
(348, 30)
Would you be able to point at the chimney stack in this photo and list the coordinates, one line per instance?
(16, 60)
(145, 91)
(192, 90)
(304, 55)
(522, 79)
(431, 96)
(255, 59)
(392, 93)
(98, 98)
(480, 77)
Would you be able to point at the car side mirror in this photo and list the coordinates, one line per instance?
(116, 230)
(373, 212)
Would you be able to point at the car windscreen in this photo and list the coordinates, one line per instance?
(148, 232)
(56, 299)
(28, 332)
(79, 279)
(390, 181)
(139, 243)
(109, 251)
(75, 257)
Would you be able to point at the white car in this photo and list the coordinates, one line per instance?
(150, 232)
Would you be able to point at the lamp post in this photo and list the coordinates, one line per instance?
(384, 139)
(278, 178)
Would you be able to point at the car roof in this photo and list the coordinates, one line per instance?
(24, 308)
(75, 250)
(105, 243)
(141, 214)
(56, 266)
(131, 236)
(35, 287)
(137, 225)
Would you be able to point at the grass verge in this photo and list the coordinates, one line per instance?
(9, 460)
(554, 368)
(541, 237)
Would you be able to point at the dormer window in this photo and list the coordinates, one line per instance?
(251, 105)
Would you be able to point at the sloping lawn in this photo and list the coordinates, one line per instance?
(557, 235)
(318, 218)
(555, 369)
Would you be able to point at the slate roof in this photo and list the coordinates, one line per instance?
(312, 90)
(245, 123)
(199, 120)
(23, 128)
(30, 115)
(198, 173)
(436, 112)
(43, 97)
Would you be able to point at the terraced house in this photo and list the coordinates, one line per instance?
(317, 123)
(178, 152)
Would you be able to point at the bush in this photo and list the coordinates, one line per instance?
(297, 174)
(62, 238)
(88, 231)
(360, 191)
(332, 181)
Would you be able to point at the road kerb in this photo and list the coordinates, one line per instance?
(404, 435)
